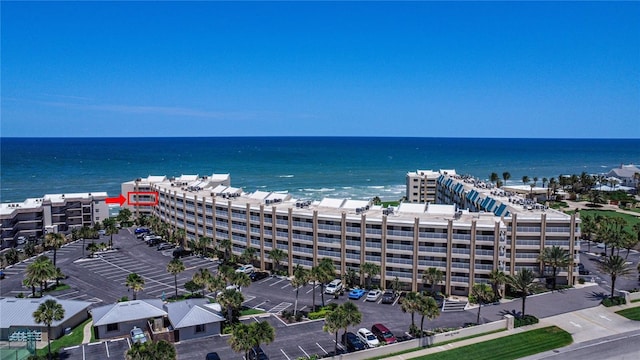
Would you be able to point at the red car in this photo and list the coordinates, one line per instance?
(383, 334)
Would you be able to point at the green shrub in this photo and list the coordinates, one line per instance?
(613, 301)
(332, 306)
(581, 281)
(525, 320)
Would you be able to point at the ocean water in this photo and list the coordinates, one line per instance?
(306, 167)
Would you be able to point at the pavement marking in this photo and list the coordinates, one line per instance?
(255, 307)
(95, 343)
(304, 307)
(604, 317)
(280, 307)
(106, 347)
(289, 284)
(285, 354)
(279, 281)
(300, 347)
(321, 348)
(575, 324)
(83, 356)
(248, 298)
(71, 347)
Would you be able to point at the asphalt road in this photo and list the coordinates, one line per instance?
(620, 347)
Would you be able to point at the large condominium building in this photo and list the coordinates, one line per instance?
(466, 236)
(35, 217)
(421, 185)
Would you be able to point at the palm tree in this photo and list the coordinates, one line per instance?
(555, 257)
(352, 316)
(525, 179)
(110, 229)
(410, 305)
(262, 332)
(54, 241)
(333, 322)
(506, 176)
(93, 248)
(314, 276)
(300, 279)
(135, 282)
(48, 312)
(432, 276)
(497, 279)
(615, 266)
(351, 278)
(231, 300)
(216, 284)
(124, 217)
(493, 178)
(249, 255)
(39, 272)
(482, 294)
(175, 267)
(326, 273)
(12, 256)
(427, 307)
(202, 277)
(629, 241)
(277, 255)
(241, 339)
(225, 245)
(204, 243)
(524, 283)
(545, 181)
(240, 279)
(553, 184)
(369, 270)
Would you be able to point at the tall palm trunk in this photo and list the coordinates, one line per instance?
(55, 253)
(314, 295)
(295, 307)
(524, 299)
(175, 283)
(613, 285)
(49, 339)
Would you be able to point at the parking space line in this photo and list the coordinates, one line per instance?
(69, 293)
(248, 298)
(258, 304)
(279, 281)
(321, 348)
(300, 347)
(313, 287)
(289, 284)
(285, 354)
(83, 355)
(106, 347)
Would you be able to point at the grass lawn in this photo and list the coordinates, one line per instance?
(631, 220)
(510, 347)
(632, 313)
(251, 312)
(74, 338)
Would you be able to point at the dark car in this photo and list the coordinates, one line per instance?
(2, 275)
(383, 334)
(213, 356)
(389, 297)
(165, 246)
(352, 342)
(258, 275)
(181, 252)
(256, 353)
(141, 230)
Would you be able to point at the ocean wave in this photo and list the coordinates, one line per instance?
(375, 187)
(286, 176)
(320, 190)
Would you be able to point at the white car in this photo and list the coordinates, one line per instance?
(368, 338)
(137, 335)
(373, 295)
(247, 269)
(333, 287)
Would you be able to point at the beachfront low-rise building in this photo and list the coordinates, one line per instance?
(34, 217)
(466, 232)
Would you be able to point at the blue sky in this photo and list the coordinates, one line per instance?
(427, 69)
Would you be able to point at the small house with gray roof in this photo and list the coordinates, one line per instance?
(16, 317)
(119, 318)
(194, 318)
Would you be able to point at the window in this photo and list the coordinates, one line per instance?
(97, 218)
(200, 328)
(112, 327)
(97, 210)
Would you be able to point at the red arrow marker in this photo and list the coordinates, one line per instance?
(116, 200)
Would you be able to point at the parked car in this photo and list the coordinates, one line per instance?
(247, 269)
(258, 275)
(389, 297)
(582, 270)
(368, 338)
(2, 275)
(141, 230)
(102, 232)
(383, 334)
(154, 241)
(357, 293)
(165, 246)
(373, 295)
(333, 287)
(138, 336)
(256, 353)
(212, 356)
(181, 252)
(353, 342)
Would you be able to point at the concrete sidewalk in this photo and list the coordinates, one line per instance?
(86, 332)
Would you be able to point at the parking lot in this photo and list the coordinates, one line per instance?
(102, 280)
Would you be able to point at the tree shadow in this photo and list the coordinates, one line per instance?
(514, 313)
(596, 295)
